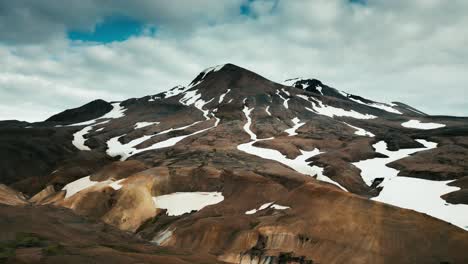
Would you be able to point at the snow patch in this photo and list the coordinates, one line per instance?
(319, 88)
(360, 131)
(419, 125)
(194, 98)
(297, 124)
(79, 139)
(179, 203)
(83, 183)
(267, 110)
(247, 125)
(221, 97)
(144, 124)
(267, 205)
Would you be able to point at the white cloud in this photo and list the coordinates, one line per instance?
(410, 51)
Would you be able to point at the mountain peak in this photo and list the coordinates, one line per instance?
(229, 76)
(227, 70)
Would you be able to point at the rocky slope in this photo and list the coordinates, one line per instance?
(239, 169)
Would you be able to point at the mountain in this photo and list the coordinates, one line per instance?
(235, 168)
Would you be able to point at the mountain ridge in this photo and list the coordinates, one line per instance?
(248, 170)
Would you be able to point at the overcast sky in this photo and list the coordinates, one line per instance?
(57, 54)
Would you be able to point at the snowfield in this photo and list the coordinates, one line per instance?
(411, 193)
(419, 125)
(376, 167)
(180, 203)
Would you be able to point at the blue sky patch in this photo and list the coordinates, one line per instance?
(110, 30)
(245, 8)
(359, 2)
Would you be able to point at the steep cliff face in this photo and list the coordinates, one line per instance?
(245, 170)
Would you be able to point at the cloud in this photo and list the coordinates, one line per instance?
(409, 51)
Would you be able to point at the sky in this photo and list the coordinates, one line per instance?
(57, 54)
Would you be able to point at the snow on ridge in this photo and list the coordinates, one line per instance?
(320, 108)
(267, 205)
(175, 91)
(412, 193)
(145, 124)
(297, 124)
(79, 136)
(115, 148)
(298, 164)
(179, 203)
(117, 111)
(419, 125)
(386, 107)
(319, 88)
(292, 81)
(285, 100)
(200, 104)
(360, 131)
(213, 68)
(380, 106)
(205, 72)
(190, 97)
(194, 98)
(174, 140)
(221, 97)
